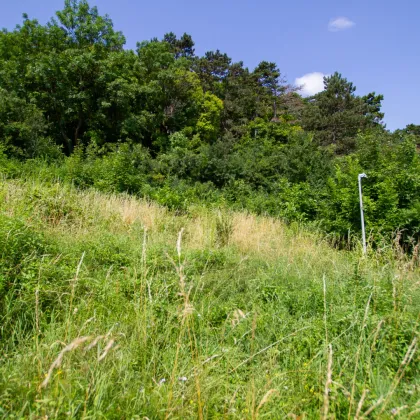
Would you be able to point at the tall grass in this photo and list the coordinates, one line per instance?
(113, 307)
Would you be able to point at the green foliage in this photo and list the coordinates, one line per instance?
(144, 318)
(23, 253)
(390, 191)
(243, 307)
(208, 124)
(55, 205)
(20, 247)
(23, 129)
(183, 47)
(164, 123)
(124, 168)
(84, 27)
(212, 70)
(336, 114)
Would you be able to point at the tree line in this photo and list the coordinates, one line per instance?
(163, 122)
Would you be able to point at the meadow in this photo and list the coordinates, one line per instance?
(116, 307)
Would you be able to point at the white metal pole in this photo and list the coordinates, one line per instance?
(362, 217)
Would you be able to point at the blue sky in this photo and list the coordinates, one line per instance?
(373, 43)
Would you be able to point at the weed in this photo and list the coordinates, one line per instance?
(237, 316)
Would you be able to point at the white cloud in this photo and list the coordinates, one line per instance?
(311, 83)
(340, 24)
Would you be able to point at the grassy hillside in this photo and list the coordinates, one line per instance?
(113, 307)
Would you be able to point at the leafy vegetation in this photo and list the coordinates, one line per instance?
(164, 123)
(115, 307)
(166, 223)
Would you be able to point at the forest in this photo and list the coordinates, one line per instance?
(163, 123)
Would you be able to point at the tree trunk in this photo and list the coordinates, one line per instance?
(76, 133)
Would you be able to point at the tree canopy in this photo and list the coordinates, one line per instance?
(337, 114)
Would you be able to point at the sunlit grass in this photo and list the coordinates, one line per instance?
(108, 311)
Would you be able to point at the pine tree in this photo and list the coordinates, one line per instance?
(336, 114)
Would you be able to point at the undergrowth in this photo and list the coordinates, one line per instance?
(113, 307)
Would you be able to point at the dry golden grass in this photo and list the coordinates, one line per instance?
(200, 231)
(262, 236)
(257, 234)
(250, 234)
(123, 209)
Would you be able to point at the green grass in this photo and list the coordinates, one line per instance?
(112, 307)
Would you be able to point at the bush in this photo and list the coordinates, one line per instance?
(390, 192)
(23, 129)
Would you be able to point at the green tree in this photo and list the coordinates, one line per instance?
(412, 130)
(171, 94)
(268, 80)
(272, 90)
(22, 127)
(57, 67)
(208, 124)
(336, 114)
(240, 100)
(84, 27)
(183, 47)
(212, 70)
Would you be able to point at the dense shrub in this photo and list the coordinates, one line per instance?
(295, 180)
(390, 191)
